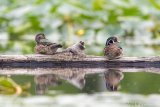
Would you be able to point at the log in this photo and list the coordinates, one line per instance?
(70, 61)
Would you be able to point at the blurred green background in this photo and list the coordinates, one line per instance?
(135, 22)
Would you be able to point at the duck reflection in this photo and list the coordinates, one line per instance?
(107, 80)
(77, 79)
(44, 81)
(71, 76)
(82, 79)
(112, 79)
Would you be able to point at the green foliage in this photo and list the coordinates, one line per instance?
(8, 86)
(67, 21)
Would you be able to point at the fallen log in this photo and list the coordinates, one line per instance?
(70, 61)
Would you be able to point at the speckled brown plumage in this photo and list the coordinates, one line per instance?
(112, 50)
(77, 49)
(43, 46)
(44, 49)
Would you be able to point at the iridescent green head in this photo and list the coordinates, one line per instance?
(111, 40)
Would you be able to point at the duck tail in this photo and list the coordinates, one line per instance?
(59, 46)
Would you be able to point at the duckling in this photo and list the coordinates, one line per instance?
(43, 46)
(112, 49)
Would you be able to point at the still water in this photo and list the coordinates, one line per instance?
(78, 87)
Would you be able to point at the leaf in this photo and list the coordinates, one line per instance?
(98, 4)
(8, 86)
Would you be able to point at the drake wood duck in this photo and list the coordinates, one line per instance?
(112, 49)
(43, 46)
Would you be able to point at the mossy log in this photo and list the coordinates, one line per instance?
(70, 61)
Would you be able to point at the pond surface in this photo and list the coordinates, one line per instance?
(84, 87)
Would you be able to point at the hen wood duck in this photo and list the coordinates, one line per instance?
(43, 46)
(77, 49)
(112, 49)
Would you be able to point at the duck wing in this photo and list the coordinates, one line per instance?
(46, 42)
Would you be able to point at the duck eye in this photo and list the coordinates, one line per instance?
(110, 42)
(39, 37)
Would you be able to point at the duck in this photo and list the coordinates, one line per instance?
(77, 48)
(44, 46)
(112, 49)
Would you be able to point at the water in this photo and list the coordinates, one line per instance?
(84, 87)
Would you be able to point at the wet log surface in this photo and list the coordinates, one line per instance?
(69, 72)
(70, 61)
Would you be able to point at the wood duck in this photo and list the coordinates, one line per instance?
(112, 49)
(43, 46)
(77, 49)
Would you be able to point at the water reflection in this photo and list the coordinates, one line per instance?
(106, 81)
(44, 81)
(72, 76)
(113, 78)
(86, 80)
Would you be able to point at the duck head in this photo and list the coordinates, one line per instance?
(39, 37)
(112, 40)
(81, 45)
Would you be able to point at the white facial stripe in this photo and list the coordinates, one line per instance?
(110, 42)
